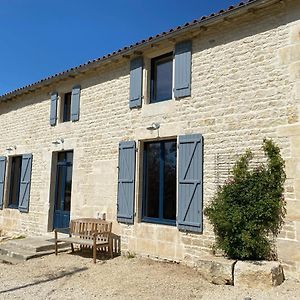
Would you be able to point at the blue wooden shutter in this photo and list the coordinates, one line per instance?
(126, 182)
(183, 57)
(75, 103)
(2, 178)
(25, 182)
(53, 109)
(190, 181)
(136, 82)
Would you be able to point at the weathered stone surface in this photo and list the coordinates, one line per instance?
(217, 270)
(255, 274)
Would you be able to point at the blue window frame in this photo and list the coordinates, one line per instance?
(159, 194)
(161, 78)
(15, 180)
(67, 107)
(62, 205)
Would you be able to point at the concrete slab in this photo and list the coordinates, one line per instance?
(9, 260)
(35, 244)
(30, 247)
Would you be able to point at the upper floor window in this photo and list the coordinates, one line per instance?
(66, 107)
(170, 76)
(161, 78)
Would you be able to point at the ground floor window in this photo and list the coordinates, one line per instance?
(15, 180)
(159, 195)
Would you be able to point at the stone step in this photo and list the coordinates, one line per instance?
(35, 244)
(27, 248)
(9, 260)
(21, 254)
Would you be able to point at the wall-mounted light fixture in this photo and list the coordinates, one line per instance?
(58, 141)
(153, 126)
(11, 148)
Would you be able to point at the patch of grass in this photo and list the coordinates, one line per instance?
(130, 255)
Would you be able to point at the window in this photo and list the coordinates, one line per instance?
(159, 203)
(66, 108)
(15, 180)
(64, 180)
(161, 78)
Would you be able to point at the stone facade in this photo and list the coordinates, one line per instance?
(245, 86)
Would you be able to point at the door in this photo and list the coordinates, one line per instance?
(63, 188)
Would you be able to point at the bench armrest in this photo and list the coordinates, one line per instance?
(62, 230)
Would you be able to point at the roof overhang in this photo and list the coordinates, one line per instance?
(202, 23)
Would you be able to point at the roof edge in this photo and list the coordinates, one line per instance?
(209, 20)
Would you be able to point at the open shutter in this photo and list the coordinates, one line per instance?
(25, 182)
(136, 82)
(53, 109)
(75, 103)
(2, 178)
(126, 182)
(190, 189)
(183, 57)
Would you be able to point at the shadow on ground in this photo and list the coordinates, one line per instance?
(51, 277)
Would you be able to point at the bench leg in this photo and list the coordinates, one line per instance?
(94, 251)
(72, 247)
(110, 248)
(55, 233)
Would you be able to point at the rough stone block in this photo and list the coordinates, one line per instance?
(258, 274)
(217, 270)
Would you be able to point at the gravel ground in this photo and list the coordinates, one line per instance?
(72, 276)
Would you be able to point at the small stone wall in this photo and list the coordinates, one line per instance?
(258, 274)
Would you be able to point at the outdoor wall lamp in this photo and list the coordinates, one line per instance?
(153, 126)
(58, 141)
(11, 148)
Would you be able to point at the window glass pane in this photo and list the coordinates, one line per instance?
(67, 108)
(160, 181)
(61, 156)
(64, 181)
(59, 188)
(69, 156)
(162, 77)
(169, 180)
(164, 81)
(68, 188)
(15, 181)
(152, 180)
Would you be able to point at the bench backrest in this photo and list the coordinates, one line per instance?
(86, 227)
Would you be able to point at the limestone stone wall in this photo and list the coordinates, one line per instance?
(245, 86)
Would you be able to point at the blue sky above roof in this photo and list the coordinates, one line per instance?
(40, 38)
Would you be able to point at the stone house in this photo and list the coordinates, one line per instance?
(145, 134)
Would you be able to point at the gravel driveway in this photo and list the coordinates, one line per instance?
(72, 276)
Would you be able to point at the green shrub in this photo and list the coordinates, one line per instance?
(250, 207)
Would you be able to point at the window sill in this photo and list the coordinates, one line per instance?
(12, 207)
(159, 101)
(159, 108)
(159, 221)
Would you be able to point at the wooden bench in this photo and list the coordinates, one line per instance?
(94, 233)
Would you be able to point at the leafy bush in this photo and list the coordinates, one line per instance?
(250, 207)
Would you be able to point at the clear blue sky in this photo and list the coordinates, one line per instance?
(41, 37)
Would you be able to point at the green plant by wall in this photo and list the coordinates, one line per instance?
(250, 207)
